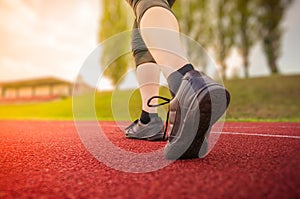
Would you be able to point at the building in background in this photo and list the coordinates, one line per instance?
(42, 89)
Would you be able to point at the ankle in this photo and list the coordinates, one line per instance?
(146, 116)
(175, 78)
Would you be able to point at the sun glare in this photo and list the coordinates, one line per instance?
(85, 11)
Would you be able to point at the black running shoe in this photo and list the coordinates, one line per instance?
(198, 104)
(153, 131)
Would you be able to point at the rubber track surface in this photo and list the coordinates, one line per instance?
(46, 159)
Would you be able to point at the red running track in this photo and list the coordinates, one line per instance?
(46, 159)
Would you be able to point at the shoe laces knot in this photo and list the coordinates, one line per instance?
(166, 101)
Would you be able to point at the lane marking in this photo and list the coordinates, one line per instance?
(249, 127)
(262, 135)
(226, 133)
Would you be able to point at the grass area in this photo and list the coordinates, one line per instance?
(273, 98)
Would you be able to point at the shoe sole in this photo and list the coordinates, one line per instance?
(157, 137)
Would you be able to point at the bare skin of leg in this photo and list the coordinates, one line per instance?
(160, 31)
(148, 75)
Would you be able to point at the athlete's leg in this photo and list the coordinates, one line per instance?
(149, 126)
(160, 31)
(159, 28)
(198, 100)
(148, 72)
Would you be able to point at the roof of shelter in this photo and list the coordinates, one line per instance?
(34, 82)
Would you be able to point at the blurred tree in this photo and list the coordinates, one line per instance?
(246, 33)
(114, 21)
(194, 20)
(223, 29)
(271, 13)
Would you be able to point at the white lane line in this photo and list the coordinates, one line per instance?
(262, 135)
(258, 127)
(226, 133)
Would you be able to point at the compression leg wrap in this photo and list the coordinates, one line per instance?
(140, 51)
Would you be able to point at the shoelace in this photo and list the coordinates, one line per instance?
(167, 101)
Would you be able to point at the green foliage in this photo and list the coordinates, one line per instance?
(194, 19)
(228, 24)
(221, 24)
(246, 29)
(114, 18)
(271, 13)
(224, 32)
(114, 21)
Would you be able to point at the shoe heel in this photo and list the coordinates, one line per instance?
(219, 99)
(212, 106)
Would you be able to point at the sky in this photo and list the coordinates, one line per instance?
(46, 38)
(41, 38)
